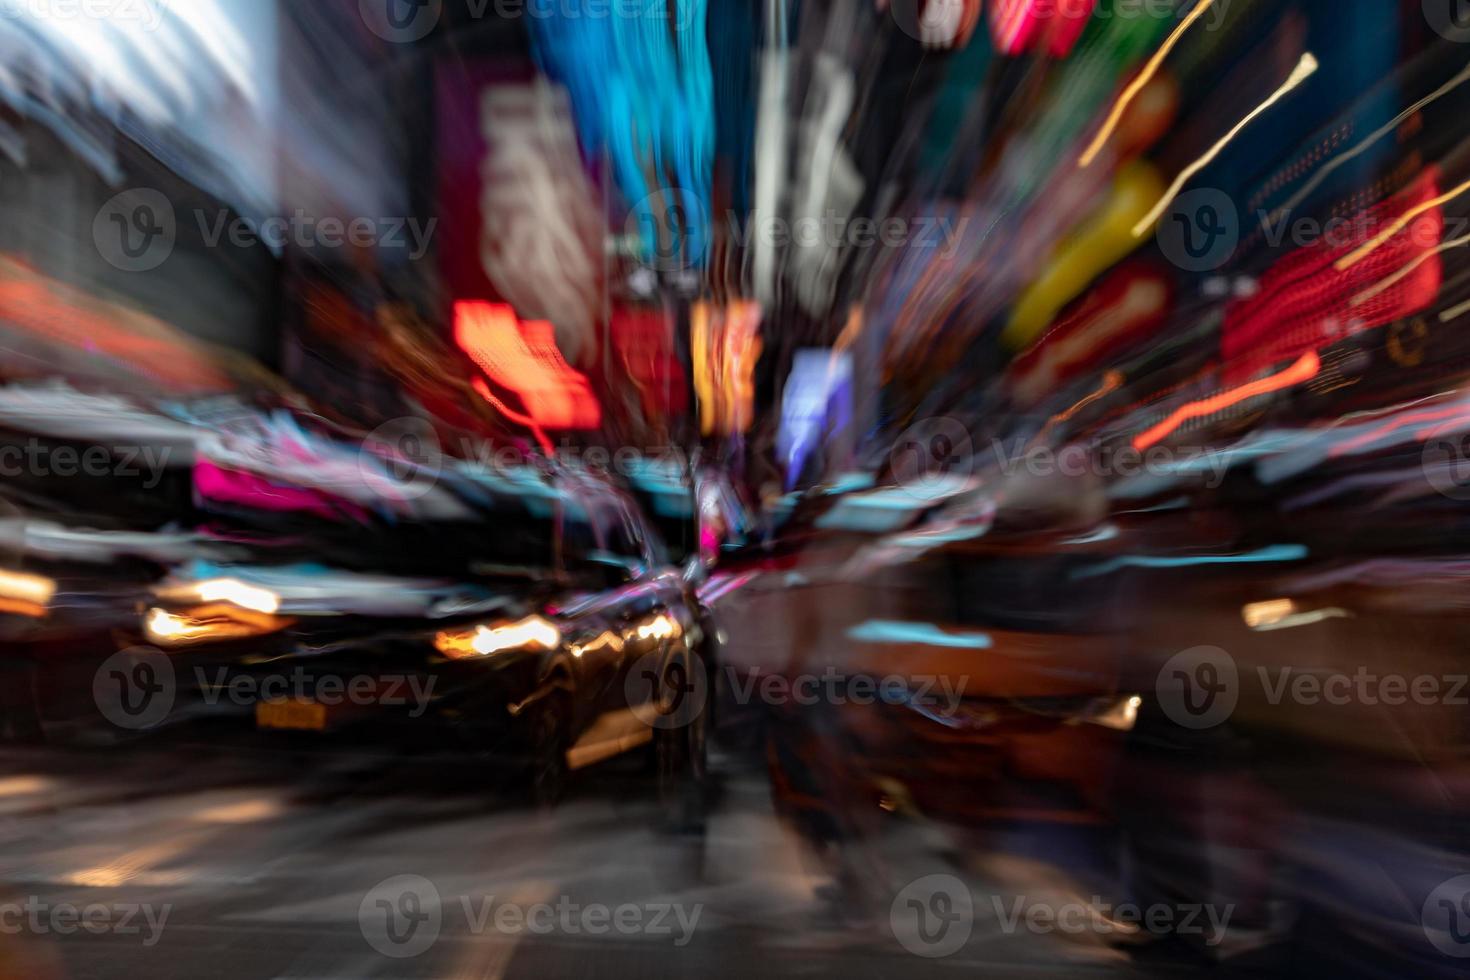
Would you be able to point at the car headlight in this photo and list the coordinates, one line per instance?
(204, 624)
(25, 595)
(533, 632)
(1119, 714)
(237, 593)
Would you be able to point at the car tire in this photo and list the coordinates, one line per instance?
(681, 766)
(547, 744)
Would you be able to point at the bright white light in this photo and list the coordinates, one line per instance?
(659, 628)
(230, 590)
(532, 631)
(162, 626)
(35, 589)
(240, 594)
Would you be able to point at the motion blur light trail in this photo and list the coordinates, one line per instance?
(1304, 369)
(1140, 82)
(851, 487)
(523, 358)
(1303, 70)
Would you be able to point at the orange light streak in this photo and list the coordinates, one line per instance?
(1137, 85)
(523, 357)
(1305, 369)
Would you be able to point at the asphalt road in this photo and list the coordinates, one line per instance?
(182, 856)
(171, 859)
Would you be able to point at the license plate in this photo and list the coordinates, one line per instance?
(302, 716)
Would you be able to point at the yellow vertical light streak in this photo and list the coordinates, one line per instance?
(1303, 70)
(1144, 77)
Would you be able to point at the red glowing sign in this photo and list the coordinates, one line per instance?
(522, 358)
(1022, 25)
(1306, 301)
